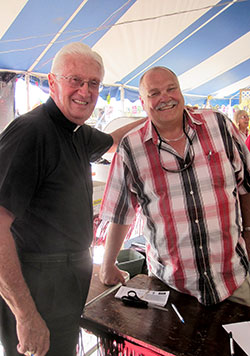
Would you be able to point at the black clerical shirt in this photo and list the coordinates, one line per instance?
(46, 182)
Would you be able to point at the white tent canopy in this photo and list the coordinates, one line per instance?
(206, 42)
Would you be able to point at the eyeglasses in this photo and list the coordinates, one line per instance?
(244, 117)
(76, 82)
(190, 157)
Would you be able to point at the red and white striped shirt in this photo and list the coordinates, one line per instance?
(192, 219)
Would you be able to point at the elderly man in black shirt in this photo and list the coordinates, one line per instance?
(46, 209)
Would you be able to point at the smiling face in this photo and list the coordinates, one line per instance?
(77, 105)
(161, 98)
(243, 121)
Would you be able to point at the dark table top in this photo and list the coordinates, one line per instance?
(97, 289)
(201, 334)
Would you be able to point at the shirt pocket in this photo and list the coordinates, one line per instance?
(221, 170)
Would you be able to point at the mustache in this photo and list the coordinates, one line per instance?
(166, 103)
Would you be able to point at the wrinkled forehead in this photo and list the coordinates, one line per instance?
(81, 65)
(244, 114)
(157, 79)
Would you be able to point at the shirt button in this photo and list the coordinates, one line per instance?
(200, 247)
(205, 273)
(196, 221)
(191, 192)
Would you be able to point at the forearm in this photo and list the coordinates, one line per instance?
(12, 285)
(115, 237)
(109, 273)
(32, 331)
(119, 133)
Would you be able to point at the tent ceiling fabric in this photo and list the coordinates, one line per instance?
(205, 42)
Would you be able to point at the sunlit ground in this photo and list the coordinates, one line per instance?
(98, 253)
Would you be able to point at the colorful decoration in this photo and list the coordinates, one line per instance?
(108, 98)
(245, 105)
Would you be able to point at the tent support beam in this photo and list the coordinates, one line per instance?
(122, 99)
(27, 81)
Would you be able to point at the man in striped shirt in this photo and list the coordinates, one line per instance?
(187, 172)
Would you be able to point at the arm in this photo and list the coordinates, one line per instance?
(248, 142)
(109, 273)
(32, 331)
(119, 133)
(245, 211)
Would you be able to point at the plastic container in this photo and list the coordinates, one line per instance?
(131, 261)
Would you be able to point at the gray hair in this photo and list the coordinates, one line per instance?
(77, 48)
(152, 70)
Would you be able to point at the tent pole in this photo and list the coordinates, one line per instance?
(27, 80)
(122, 99)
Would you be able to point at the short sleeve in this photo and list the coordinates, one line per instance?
(97, 142)
(19, 174)
(240, 159)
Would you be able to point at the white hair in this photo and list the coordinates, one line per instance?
(77, 48)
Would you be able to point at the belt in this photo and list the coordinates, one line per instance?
(53, 258)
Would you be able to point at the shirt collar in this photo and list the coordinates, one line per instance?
(58, 117)
(194, 118)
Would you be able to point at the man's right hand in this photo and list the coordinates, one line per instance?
(33, 335)
(111, 275)
(32, 332)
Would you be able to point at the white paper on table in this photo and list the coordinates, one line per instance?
(154, 297)
(241, 334)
